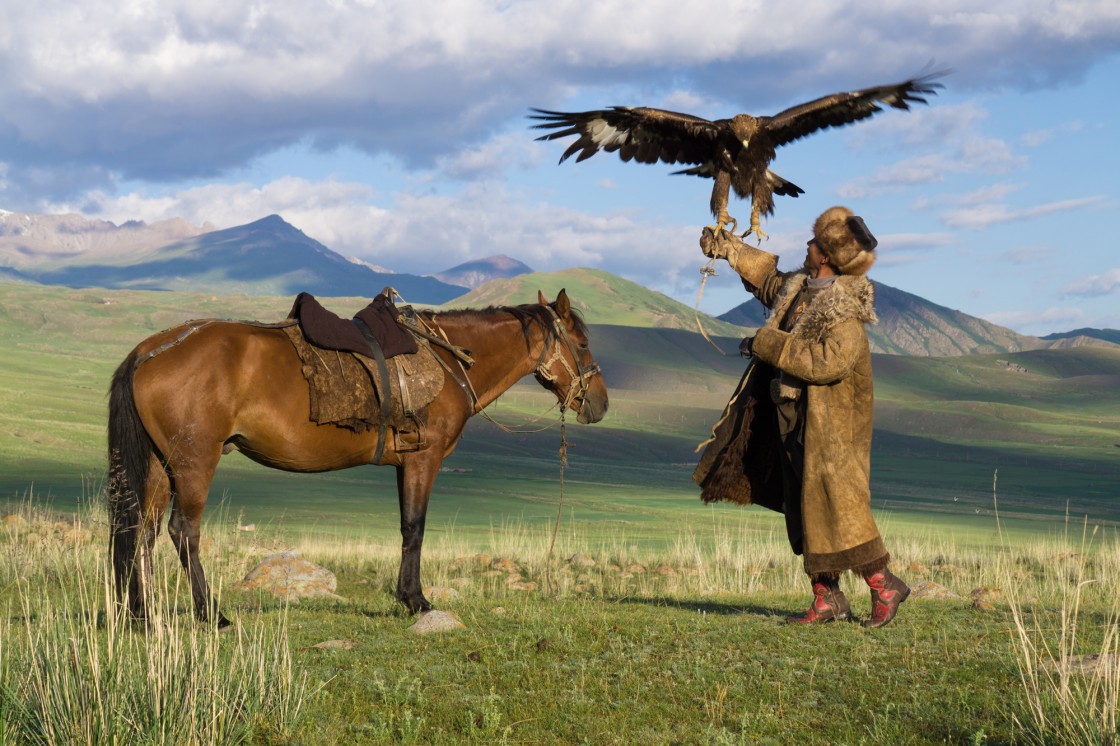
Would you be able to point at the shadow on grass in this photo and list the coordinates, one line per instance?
(704, 607)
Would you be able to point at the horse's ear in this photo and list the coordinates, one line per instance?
(563, 305)
(541, 299)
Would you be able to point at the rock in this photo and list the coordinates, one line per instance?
(505, 565)
(336, 645)
(14, 522)
(983, 592)
(929, 589)
(666, 571)
(636, 568)
(1088, 664)
(581, 560)
(918, 567)
(982, 598)
(290, 577)
(431, 622)
(441, 594)
(523, 586)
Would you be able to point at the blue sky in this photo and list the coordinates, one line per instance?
(396, 131)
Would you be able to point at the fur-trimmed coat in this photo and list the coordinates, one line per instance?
(827, 348)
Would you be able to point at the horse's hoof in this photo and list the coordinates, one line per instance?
(222, 622)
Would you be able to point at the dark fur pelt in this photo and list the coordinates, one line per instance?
(730, 471)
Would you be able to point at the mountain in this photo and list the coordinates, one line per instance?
(480, 271)
(1084, 335)
(30, 241)
(266, 257)
(910, 325)
(601, 297)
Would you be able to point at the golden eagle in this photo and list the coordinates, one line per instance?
(735, 152)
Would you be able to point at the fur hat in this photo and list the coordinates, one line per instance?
(845, 240)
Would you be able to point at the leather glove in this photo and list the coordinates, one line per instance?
(745, 347)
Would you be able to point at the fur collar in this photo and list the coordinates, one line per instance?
(850, 297)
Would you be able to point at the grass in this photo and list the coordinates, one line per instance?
(674, 635)
(682, 642)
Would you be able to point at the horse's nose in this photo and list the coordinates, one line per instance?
(592, 410)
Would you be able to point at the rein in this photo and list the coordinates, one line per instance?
(556, 338)
(708, 270)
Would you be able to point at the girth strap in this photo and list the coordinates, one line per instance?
(384, 391)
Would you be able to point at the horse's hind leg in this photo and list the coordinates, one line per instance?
(192, 486)
(157, 493)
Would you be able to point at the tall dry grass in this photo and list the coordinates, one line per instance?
(1066, 636)
(75, 670)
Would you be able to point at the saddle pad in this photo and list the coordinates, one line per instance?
(327, 329)
(345, 389)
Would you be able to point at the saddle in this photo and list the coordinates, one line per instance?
(369, 371)
(330, 331)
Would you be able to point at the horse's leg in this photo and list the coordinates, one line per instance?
(192, 486)
(157, 493)
(415, 478)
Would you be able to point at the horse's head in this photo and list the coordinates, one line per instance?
(566, 367)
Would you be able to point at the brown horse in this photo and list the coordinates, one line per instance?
(184, 397)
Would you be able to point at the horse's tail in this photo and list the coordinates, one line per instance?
(130, 452)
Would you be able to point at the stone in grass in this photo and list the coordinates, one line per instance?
(434, 621)
(440, 594)
(1093, 663)
(982, 598)
(336, 645)
(929, 589)
(289, 577)
(581, 560)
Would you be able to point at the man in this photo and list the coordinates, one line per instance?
(796, 435)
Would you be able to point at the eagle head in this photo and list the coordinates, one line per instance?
(744, 126)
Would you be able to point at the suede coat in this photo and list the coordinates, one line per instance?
(827, 348)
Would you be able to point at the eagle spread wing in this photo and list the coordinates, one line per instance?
(839, 109)
(735, 152)
(641, 134)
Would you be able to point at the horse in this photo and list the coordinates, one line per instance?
(186, 396)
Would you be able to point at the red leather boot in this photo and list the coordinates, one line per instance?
(887, 593)
(828, 604)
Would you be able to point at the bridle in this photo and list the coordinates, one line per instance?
(554, 333)
(579, 379)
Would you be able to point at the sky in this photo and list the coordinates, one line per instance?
(396, 131)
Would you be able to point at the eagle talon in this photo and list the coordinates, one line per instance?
(756, 229)
(722, 222)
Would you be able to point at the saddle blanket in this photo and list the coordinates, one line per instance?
(346, 389)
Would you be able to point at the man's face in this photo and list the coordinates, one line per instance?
(814, 257)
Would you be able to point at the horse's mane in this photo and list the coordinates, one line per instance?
(528, 314)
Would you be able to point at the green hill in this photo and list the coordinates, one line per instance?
(602, 298)
(1048, 420)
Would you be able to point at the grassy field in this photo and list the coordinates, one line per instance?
(677, 643)
(690, 649)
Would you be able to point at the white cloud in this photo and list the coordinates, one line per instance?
(1034, 322)
(1106, 283)
(170, 89)
(983, 215)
